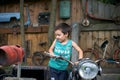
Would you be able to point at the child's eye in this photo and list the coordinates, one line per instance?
(57, 35)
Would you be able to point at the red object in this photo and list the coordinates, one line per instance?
(11, 55)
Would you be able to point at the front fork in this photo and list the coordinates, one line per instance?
(73, 75)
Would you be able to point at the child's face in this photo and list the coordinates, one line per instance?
(60, 36)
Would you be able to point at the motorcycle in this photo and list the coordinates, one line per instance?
(86, 69)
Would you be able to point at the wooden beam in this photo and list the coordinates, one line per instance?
(44, 28)
(102, 27)
(41, 29)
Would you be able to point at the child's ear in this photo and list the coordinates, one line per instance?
(66, 34)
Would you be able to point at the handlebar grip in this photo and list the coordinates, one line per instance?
(52, 56)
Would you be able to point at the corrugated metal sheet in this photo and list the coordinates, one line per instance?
(100, 10)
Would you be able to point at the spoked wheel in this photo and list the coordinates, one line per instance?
(90, 53)
(37, 58)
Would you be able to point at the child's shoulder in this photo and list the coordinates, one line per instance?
(70, 41)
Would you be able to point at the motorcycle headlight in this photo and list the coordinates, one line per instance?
(88, 69)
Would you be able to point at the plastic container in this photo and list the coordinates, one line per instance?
(11, 55)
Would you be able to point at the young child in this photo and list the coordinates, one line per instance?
(61, 46)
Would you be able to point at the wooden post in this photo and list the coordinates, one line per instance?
(22, 29)
(22, 34)
(52, 22)
(75, 37)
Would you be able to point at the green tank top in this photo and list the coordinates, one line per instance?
(61, 50)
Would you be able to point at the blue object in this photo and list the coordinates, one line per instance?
(27, 23)
(65, 9)
(6, 17)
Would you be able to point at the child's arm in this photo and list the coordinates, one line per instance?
(78, 49)
(52, 47)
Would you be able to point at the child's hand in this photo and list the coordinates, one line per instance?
(52, 55)
(76, 63)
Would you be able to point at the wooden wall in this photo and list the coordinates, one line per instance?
(37, 34)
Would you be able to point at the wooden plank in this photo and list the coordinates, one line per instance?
(36, 7)
(78, 10)
(89, 40)
(83, 4)
(83, 40)
(101, 37)
(28, 30)
(3, 39)
(96, 45)
(58, 20)
(42, 38)
(13, 39)
(107, 36)
(113, 33)
(2, 8)
(89, 44)
(73, 11)
(113, 46)
(102, 27)
(95, 38)
(118, 32)
(31, 10)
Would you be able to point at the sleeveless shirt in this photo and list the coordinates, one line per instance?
(63, 50)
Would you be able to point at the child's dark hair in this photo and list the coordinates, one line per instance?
(65, 28)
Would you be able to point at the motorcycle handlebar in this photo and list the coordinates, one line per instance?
(58, 57)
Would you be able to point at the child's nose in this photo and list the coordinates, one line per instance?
(57, 37)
